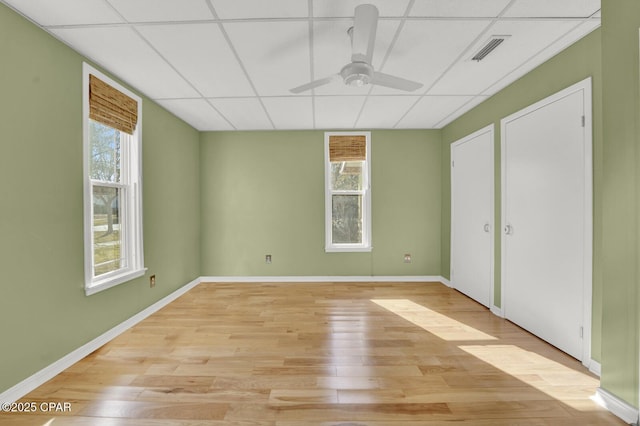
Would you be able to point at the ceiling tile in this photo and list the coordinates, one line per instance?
(425, 49)
(553, 8)
(234, 9)
(459, 8)
(163, 10)
(527, 39)
(337, 112)
(346, 8)
(430, 110)
(202, 55)
(67, 12)
(197, 112)
(273, 62)
(122, 52)
(290, 112)
(383, 112)
(243, 113)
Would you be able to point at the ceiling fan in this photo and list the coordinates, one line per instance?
(359, 72)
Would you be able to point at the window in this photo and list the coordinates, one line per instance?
(112, 183)
(347, 191)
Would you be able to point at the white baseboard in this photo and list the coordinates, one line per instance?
(19, 390)
(595, 367)
(616, 406)
(497, 311)
(322, 279)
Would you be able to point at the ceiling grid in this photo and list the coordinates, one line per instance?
(230, 65)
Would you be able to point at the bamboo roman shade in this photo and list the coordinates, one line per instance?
(347, 148)
(111, 107)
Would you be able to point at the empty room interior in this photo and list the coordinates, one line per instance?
(319, 212)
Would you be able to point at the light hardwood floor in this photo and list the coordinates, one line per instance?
(398, 354)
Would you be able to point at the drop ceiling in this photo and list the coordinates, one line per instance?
(229, 64)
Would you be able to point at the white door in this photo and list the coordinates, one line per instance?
(472, 215)
(546, 243)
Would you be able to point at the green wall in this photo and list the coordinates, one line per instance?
(213, 202)
(576, 63)
(43, 309)
(263, 193)
(620, 329)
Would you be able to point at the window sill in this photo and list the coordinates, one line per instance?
(347, 249)
(98, 286)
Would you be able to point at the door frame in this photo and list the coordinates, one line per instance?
(587, 285)
(491, 130)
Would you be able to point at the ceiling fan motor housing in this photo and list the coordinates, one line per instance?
(357, 73)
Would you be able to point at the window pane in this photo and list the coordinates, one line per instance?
(105, 152)
(107, 235)
(346, 175)
(346, 220)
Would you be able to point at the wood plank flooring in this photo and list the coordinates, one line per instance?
(320, 354)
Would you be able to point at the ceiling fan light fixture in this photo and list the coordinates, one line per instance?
(356, 80)
(357, 74)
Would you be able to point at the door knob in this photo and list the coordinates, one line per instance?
(508, 230)
(486, 227)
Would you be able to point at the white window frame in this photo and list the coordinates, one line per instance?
(131, 205)
(365, 246)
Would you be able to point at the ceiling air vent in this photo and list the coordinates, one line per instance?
(493, 42)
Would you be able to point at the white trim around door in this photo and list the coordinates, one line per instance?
(587, 201)
(472, 223)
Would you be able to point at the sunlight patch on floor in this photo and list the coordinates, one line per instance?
(436, 323)
(540, 373)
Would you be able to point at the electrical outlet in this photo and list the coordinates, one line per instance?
(152, 281)
(267, 258)
(407, 258)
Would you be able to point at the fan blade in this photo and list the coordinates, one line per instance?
(313, 84)
(365, 24)
(394, 82)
